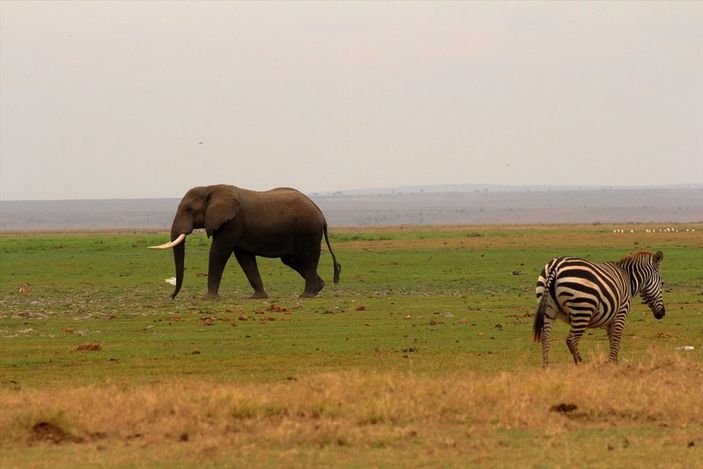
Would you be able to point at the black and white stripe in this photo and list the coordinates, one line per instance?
(587, 294)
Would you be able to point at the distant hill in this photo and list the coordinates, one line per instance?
(497, 188)
(434, 205)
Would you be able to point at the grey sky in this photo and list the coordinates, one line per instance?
(113, 99)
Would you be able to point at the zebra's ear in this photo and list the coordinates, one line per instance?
(658, 257)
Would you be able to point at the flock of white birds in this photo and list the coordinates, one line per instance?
(655, 230)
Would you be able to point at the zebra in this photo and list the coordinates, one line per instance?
(587, 295)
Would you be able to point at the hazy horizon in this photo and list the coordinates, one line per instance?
(390, 208)
(430, 189)
(135, 100)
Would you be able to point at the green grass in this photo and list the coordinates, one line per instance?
(425, 302)
(454, 302)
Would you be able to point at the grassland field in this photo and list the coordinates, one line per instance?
(420, 357)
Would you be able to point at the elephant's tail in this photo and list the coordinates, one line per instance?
(337, 265)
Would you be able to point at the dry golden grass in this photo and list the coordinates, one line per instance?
(346, 417)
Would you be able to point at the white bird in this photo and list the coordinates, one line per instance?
(171, 280)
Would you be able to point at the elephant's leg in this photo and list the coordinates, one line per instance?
(251, 270)
(307, 269)
(219, 255)
(313, 282)
(293, 263)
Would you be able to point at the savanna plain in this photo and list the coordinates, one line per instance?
(421, 356)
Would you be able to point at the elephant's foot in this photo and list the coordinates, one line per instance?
(211, 296)
(311, 292)
(259, 295)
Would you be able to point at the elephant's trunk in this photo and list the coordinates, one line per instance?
(179, 252)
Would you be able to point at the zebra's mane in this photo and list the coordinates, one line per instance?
(636, 256)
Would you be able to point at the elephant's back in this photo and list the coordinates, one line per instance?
(284, 192)
(275, 193)
(286, 196)
(285, 204)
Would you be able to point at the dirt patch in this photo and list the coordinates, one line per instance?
(47, 432)
(89, 347)
(563, 408)
(273, 308)
(209, 320)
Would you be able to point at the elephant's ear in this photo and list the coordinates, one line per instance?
(223, 205)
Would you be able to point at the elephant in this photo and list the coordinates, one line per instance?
(280, 222)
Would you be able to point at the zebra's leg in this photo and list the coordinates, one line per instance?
(572, 341)
(615, 329)
(546, 340)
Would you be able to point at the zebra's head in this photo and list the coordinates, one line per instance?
(651, 285)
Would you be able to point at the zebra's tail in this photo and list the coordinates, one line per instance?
(542, 307)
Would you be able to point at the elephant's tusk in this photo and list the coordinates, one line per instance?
(173, 243)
